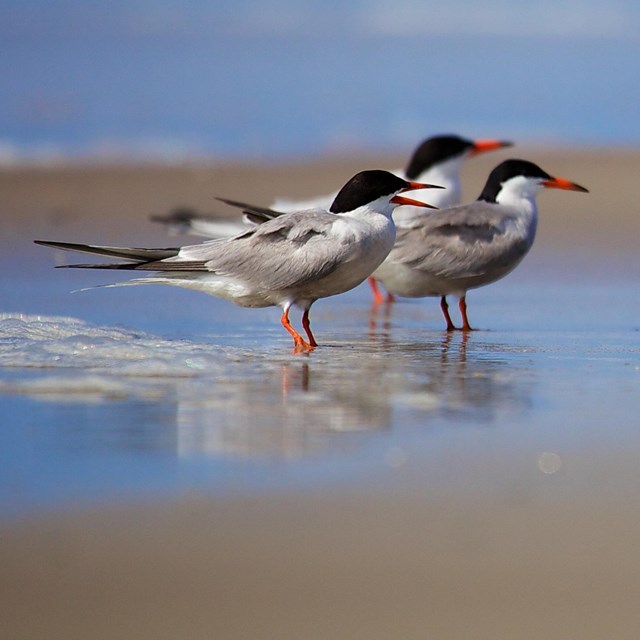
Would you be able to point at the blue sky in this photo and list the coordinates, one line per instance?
(243, 18)
(260, 79)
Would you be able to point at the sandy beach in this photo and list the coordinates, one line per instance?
(117, 201)
(483, 533)
(390, 564)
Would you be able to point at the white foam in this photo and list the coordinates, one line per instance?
(46, 342)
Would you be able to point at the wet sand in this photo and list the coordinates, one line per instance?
(481, 533)
(390, 564)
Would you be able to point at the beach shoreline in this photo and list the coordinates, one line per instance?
(117, 200)
(536, 552)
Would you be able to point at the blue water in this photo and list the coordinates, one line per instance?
(262, 80)
(112, 394)
(157, 392)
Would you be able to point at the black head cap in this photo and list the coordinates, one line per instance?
(507, 170)
(434, 150)
(365, 187)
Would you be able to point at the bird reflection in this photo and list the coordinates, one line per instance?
(291, 411)
(308, 408)
(292, 380)
(261, 405)
(380, 314)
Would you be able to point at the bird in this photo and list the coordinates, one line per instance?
(453, 250)
(292, 259)
(436, 160)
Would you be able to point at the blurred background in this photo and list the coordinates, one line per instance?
(168, 468)
(168, 80)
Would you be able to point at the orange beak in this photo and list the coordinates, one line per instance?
(399, 199)
(421, 185)
(562, 183)
(482, 146)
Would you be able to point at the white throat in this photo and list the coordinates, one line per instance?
(519, 192)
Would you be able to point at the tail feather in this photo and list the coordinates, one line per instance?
(154, 265)
(133, 254)
(137, 259)
(140, 266)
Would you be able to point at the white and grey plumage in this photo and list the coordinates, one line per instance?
(454, 250)
(437, 160)
(293, 259)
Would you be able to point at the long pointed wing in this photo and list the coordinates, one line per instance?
(284, 252)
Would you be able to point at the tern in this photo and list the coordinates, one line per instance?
(293, 259)
(453, 250)
(437, 160)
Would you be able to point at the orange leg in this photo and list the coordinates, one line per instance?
(307, 328)
(463, 311)
(445, 311)
(300, 345)
(378, 298)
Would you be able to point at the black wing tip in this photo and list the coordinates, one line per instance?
(232, 203)
(251, 208)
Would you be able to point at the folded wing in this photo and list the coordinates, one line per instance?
(462, 242)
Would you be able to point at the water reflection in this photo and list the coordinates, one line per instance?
(257, 403)
(295, 409)
(310, 407)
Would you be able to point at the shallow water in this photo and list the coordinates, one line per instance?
(396, 482)
(190, 394)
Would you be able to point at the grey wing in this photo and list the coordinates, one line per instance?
(461, 242)
(288, 251)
